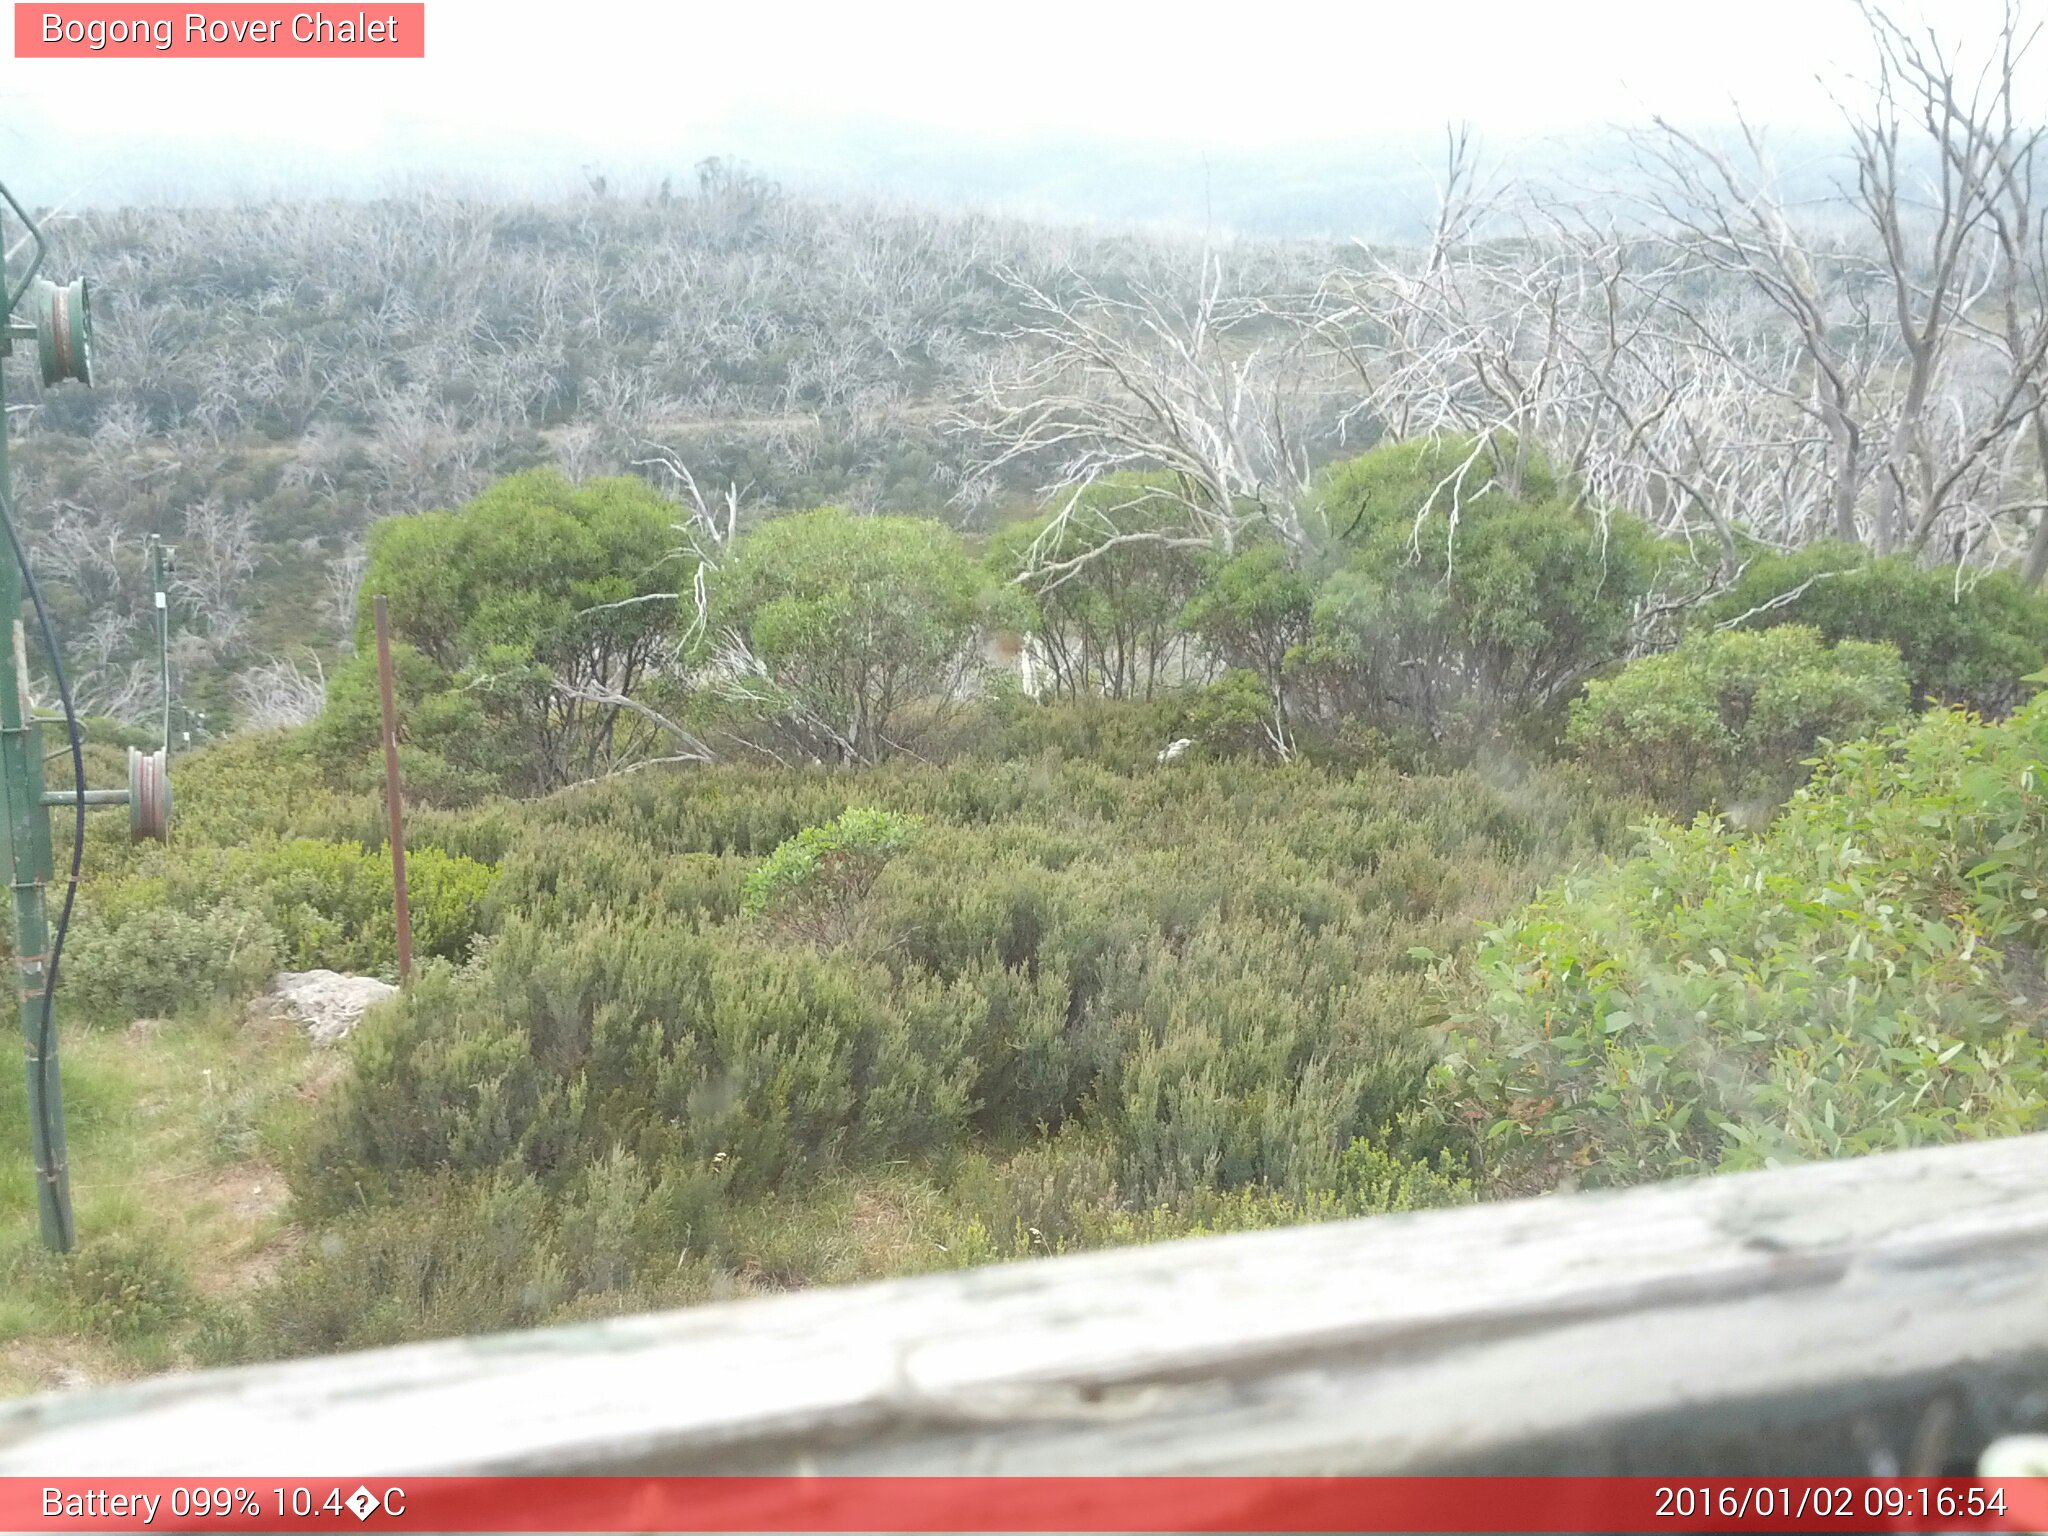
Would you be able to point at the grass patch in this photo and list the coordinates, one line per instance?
(178, 1130)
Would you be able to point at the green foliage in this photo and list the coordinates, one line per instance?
(332, 902)
(1457, 603)
(254, 786)
(119, 734)
(810, 884)
(1122, 735)
(853, 618)
(1864, 975)
(453, 1261)
(448, 754)
(123, 1286)
(1110, 573)
(1172, 963)
(1060, 1195)
(520, 604)
(186, 925)
(1094, 1000)
(1730, 718)
(151, 961)
(1233, 716)
(263, 409)
(1252, 611)
(1969, 640)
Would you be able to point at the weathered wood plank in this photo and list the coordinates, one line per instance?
(1577, 1331)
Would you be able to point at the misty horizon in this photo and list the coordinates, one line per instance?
(1063, 120)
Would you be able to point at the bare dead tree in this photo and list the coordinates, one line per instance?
(1915, 398)
(1952, 232)
(1703, 348)
(1402, 322)
(629, 751)
(1202, 392)
(344, 585)
(280, 692)
(1734, 219)
(129, 692)
(216, 558)
(707, 529)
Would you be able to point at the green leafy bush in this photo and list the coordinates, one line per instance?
(153, 961)
(1854, 979)
(1252, 611)
(852, 617)
(448, 753)
(810, 884)
(1115, 573)
(1119, 735)
(185, 925)
(1061, 1196)
(1729, 719)
(457, 1259)
(1457, 604)
(1233, 716)
(1967, 638)
(519, 612)
(265, 785)
(332, 902)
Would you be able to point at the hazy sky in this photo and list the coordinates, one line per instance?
(514, 87)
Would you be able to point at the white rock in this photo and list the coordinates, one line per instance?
(328, 1003)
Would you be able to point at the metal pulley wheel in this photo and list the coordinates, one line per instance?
(149, 796)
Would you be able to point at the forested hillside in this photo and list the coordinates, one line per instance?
(273, 378)
(931, 741)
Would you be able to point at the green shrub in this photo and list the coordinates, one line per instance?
(332, 902)
(449, 753)
(258, 786)
(1061, 1196)
(1371, 1180)
(1233, 716)
(1252, 612)
(512, 610)
(810, 884)
(1729, 719)
(1967, 638)
(1476, 620)
(1172, 961)
(852, 618)
(455, 1259)
(208, 921)
(1852, 980)
(119, 734)
(1091, 1004)
(1107, 612)
(154, 961)
(1124, 736)
(124, 1286)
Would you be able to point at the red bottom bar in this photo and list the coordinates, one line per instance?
(1052, 1504)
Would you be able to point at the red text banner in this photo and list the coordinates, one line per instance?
(1015, 1504)
(224, 31)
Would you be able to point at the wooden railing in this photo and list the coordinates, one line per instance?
(1869, 1317)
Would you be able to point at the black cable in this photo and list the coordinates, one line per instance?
(47, 1029)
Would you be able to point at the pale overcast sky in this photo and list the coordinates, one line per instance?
(511, 88)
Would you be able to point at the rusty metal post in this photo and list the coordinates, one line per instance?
(394, 795)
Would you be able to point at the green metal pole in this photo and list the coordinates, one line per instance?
(163, 630)
(27, 864)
